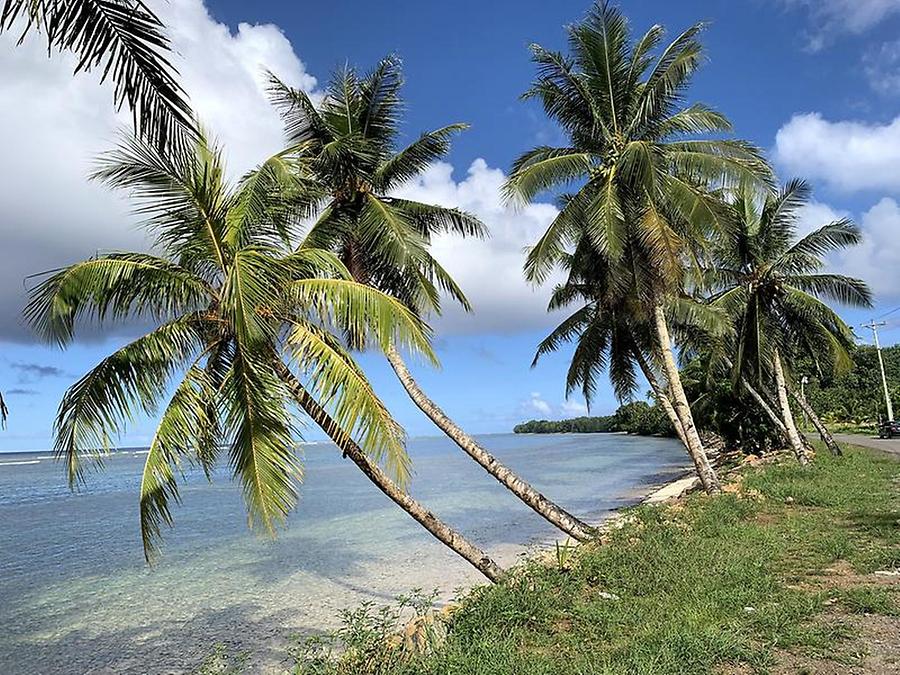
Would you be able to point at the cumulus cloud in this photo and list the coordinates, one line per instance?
(829, 18)
(54, 125)
(490, 270)
(536, 404)
(847, 155)
(877, 259)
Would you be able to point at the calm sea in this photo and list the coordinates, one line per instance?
(77, 597)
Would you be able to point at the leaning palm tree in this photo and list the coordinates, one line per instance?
(346, 146)
(125, 41)
(247, 325)
(774, 289)
(642, 176)
(611, 333)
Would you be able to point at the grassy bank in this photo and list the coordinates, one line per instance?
(776, 574)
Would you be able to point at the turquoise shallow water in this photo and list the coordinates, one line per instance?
(76, 596)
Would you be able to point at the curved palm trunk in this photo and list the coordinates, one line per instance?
(661, 396)
(554, 513)
(682, 408)
(764, 404)
(824, 434)
(792, 433)
(439, 529)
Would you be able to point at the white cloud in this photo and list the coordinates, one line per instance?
(813, 215)
(882, 68)
(54, 125)
(489, 271)
(847, 155)
(877, 258)
(538, 404)
(574, 408)
(829, 18)
(535, 404)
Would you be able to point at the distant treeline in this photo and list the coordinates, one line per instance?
(855, 396)
(637, 417)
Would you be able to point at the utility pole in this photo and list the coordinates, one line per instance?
(887, 396)
(803, 382)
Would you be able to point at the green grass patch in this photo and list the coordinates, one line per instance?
(679, 589)
(684, 588)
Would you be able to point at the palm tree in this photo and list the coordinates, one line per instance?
(4, 412)
(347, 147)
(773, 288)
(611, 332)
(248, 327)
(643, 176)
(125, 41)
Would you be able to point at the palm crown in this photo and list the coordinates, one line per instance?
(238, 316)
(346, 148)
(772, 284)
(642, 180)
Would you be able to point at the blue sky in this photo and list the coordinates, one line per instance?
(816, 84)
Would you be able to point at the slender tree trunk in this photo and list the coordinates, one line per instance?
(792, 433)
(661, 396)
(694, 445)
(764, 404)
(543, 506)
(439, 529)
(825, 435)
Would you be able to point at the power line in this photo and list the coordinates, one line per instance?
(896, 309)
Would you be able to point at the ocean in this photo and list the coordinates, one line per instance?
(76, 595)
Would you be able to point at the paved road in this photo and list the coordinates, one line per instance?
(887, 445)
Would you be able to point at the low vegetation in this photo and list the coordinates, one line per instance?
(636, 417)
(779, 569)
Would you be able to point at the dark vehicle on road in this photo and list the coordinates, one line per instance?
(889, 429)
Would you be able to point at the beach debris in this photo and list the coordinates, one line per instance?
(605, 595)
(887, 573)
(788, 500)
(749, 610)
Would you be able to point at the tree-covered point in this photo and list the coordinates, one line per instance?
(636, 417)
(576, 425)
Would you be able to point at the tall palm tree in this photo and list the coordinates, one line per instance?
(347, 146)
(248, 327)
(773, 287)
(643, 163)
(125, 41)
(4, 412)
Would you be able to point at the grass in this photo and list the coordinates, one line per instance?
(708, 583)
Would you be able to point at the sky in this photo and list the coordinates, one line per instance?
(815, 83)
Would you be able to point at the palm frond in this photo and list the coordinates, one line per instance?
(256, 421)
(361, 310)
(125, 41)
(335, 380)
(416, 157)
(98, 406)
(187, 430)
(113, 286)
